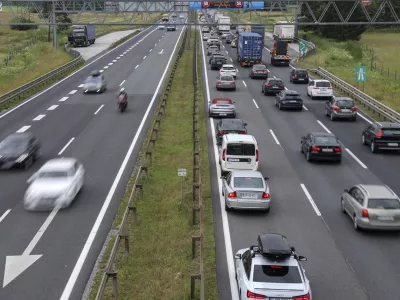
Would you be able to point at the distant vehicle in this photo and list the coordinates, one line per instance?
(319, 88)
(224, 24)
(171, 27)
(181, 16)
(83, 35)
(222, 107)
(206, 36)
(321, 146)
(249, 51)
(161, 26)
(214, 55)
(280, 54)
(299, 76)
(205, 29)
(213, 40)
(225, 82)
(165, 18)
(19, 150)
(212, 49)
(246, 189)
(272, 86)
(284, 31)
(271, 270)
(234, 43)
(258, 71)
(382, 136)
(372, 207)
(289, 99)
(95, 83)
(229, 38)
(228, 70)
(57, 183)
(341, 108)
(226, 126)
(225, 35)
(217, 62)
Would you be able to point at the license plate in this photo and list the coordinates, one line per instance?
(327, 150)
(233, 159)
(393, 144)
(346, 110)
(279, 298)
(275, 86)
(249, 195)
(219, 63)
(323, 89)
(222, 114)
(301, 78)
(292, 101)
(385, 218)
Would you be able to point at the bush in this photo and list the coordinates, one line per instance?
(23, 27)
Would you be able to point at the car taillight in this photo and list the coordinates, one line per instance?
(335, 108)
(329, 88)
(255, 296)
(219, 81)
(337, 149)
(243, 132)
(316, 88)
(306, 75)
(222, 70)
(294, 76)
(223, 132)
(354, 108)
(364, 213)
(233, 82)
(224, 154)
(265, 71)
(304, 297)
(379, 135)
(267, 85)
(315, 149)
(232, 195)
(266, 195)
(256, 155)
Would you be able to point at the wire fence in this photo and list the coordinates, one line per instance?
(378, 66)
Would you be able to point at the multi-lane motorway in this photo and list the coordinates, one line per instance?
(342, 263)
(89, 128)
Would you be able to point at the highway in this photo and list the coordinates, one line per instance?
(342, 263)
(91, 129)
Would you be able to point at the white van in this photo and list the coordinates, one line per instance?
(238, 152)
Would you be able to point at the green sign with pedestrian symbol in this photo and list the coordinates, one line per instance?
(302, 47)
(361, 73)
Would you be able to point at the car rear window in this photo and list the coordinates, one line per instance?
(391, 131)
(276, 274)
(259, 67)
(301, 72)
(229, 68)
(275, 82)
(345, 103)
(326, 140)
(219, 102)
(324, 84)
(292, 96)
(248, 182)
(384, 203)
(241, 149)
(227, 78)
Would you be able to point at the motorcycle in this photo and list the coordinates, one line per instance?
(122, 103)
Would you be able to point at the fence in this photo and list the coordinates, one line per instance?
(370, 103)
(143, 162)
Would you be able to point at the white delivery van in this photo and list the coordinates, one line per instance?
(238, 152)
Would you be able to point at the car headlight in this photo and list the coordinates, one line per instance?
(21, 158)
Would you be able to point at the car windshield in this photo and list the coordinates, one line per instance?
(226, 78)
(291, 96)
(241, 149)
(324, 84)
(229, 68)
(13, 145)
(259, 68)
(233, 126)
(79, 34)
(391, 131)
(384, 203)
(248, 182)
(93, 79)
(301, 72)
(276, 274)
(272, 82)
(52, 174)
(326, 140)
(345, 103)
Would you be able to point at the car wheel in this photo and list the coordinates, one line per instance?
(342, 206)
(308, 156)
(301, 148)
(280, 106)
(355, 223)
(332, 117)
(363, 140)
(326, 112)
(217, 88)
(373, 147)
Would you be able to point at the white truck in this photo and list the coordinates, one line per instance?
(217, 15)
(224, 24)
(284, 31)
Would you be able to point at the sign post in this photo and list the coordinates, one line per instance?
(302, 48)
(182, 173)
(1, 6)
(361, 75)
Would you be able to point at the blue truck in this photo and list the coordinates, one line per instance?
(83, 35)
(250, 49)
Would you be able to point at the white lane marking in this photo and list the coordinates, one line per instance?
(231, 59)
(39, 117)
(136, 67)
(356, 158)
(72, 92)
(159, 40)
(53, 107)
(88, 244)
(305, 108)
(66, 146)
(5, 214)
(72, 74)
(323, 126)
(244, 83)
(144, 57)
(365, 118)
(155, 44)
(24, 128)
(105, 67)
(63, 99)
(114, 61)
(226, 52)
(292, 67)
(118, 57)
(151, 50)
(81, 85)
(286, 88)
(310, 199)
(110, 64)
(122, 83)
(101, 71)
(255, 103)
(97, 111)
(224, 215)
(274, 136)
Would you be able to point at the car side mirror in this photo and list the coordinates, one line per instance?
(238, 256)
(301, 258)
(32, 178)
(266, 178)
(346, 190)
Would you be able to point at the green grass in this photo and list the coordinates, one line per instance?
(341, 59)
(159, 264)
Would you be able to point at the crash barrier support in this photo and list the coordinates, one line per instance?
(143, 162)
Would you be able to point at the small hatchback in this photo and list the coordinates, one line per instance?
(341, 108)
(272, 86)
(299, 76)
(225, 82)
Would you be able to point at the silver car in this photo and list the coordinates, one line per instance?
(246, 189)
(222, 107)
(372, 207)
(341, 108)
(212, 49)
(95, 83)
(271, 270)
(225, 82)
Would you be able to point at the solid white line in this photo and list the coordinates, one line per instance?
(114, 61)
(305, 108)
(292, 67)
(244, 83)
(105, 67)
(82, 257)
(155, 44)
(23, 128)
(53, 107)
(136, 67)
(5, 214)
(81, 85)
(99, 109)
(365, 118)
(144, 57)
(323, 126)
(63, 99)
(231, 59)
(150, 50)
(101, 71)
(274, 136)
(224, 215)
(66, 146)
(72, 74)
(110, 64)
(356, 158)
(310, 199)
(72, 92)
(122, 83)
(227, 52)
(39, 117)
(118, 57)
(255, 103)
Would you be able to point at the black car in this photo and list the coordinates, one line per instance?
(321, 146)
(229, 39)
(272, 86)
(226, 126)
(382, 136)
(217, 62)
(19, 150)
(258, 71)
(215, 55)
(299, 76)
(341, 108)
(289, 99)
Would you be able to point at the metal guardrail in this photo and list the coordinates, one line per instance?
(37, 83)
(143, 163)
(369, 102)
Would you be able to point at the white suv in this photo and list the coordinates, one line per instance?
(228, 70)
(319, 88)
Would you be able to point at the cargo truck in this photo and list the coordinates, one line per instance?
(284, 31)
(83, 35)
(217, 15)
(165, 18)
(224, 24)
(249, 50)
(260, 29)
(280, 54)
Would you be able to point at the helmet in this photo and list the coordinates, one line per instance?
(122, 90)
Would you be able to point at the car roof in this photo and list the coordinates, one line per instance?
(258, 259)
(300, 70)
(224, 75)
(20, 135)
(378, 191)
(388, 125)
(232, 137)
(246, 173)
(321, 80)
(291, 92)
(342, 98)
(62, 163)
(227, 66)
(232, 121)
(322, 134)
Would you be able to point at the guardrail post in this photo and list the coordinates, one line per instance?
(153, 141)
(193, 279)
(140, 187)
(124, 234)
(195, 210)
(194, 240)
(150, 154)
(156, 131)
(133, 209)
(114, 275)
(146, 174)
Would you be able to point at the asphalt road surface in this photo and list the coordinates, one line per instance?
(342, 263)
(91, 129)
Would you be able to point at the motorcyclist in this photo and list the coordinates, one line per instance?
(125, 95)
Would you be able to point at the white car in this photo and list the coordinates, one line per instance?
(161, 26)
(57, 183)
(319, 88)
(206, 36)
(181, 17)
(228, 70)
(212, 40)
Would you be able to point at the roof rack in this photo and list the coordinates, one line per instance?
(273, 246)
